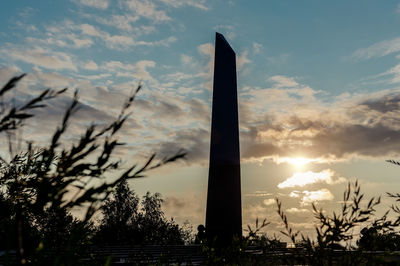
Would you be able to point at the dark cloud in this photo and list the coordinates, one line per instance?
(385, 104)
(175, 202)
(194, 141)
(200, 111)
(164, 109)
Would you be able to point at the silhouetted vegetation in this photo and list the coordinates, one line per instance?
(35, 183)
(352, 236)
(126, 222)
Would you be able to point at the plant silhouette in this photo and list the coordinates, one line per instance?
(37, 181)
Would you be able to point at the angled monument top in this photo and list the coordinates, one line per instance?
(220, 39)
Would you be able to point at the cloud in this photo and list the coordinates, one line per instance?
(164, 42)
(41, 57)
(283, 81)
(91, 65)
(94, 77)
(242, 59)
(195, 142)
(138, 70)
(100, 4)
(6, 73)
(379, 49)
(122, 22)
(27, 12)
(269, 202)
(308, 197)
(201, 4)
(362, 125)
(54, 37)
(120, 42)
(394, 72)
(185, 59)
(187, 207)
(257, 47)
(91, 30)
(317, 195)
(294, 194)
(78, 42)
(296, 210)
(206, 49)
(258, 194)
(147, 9)
(300, 179)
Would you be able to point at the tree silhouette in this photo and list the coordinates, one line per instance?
(120, 212)
(124, 222)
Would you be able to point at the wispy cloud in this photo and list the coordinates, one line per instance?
(41, 57)
(379, 49)
(91, 65)
(147, 9)
(138, 70)
(201, 4)
(257, 47)
(101, 4)
(297, 210)
(120, 42)
(318, 195)
(258, 194)
(308, 197)
(242, 59)
(122, 22)
(283, 81)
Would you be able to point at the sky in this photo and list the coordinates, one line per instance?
(318, 86)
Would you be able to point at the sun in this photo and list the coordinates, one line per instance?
(299, 162)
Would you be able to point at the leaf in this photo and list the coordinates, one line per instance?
(11, 84)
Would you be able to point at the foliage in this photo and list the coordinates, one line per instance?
(38, 181)
(380, 236)
(334, 232)
(119, 211)
(125, 223)
(334, 242)
(242, 252)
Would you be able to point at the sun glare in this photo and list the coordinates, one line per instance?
(299, 161)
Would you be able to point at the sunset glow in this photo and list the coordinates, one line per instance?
(299, 162)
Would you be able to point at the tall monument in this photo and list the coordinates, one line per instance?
(224, 206)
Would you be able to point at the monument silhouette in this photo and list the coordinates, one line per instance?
(224, 207)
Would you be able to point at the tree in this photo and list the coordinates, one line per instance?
(120, 212)
(155, 227)
(124, 222)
